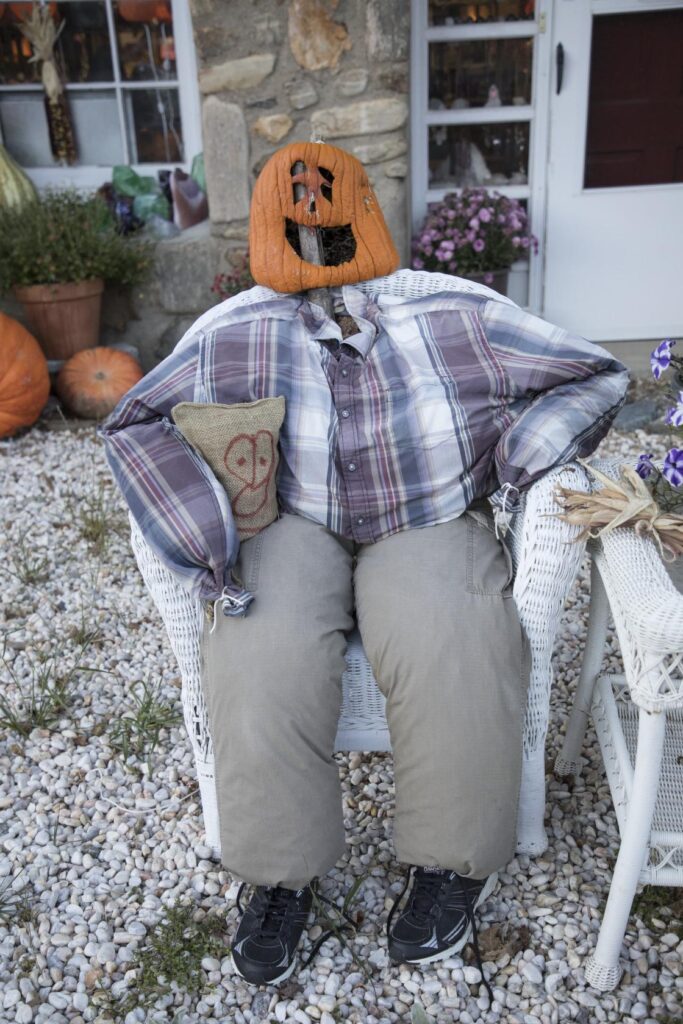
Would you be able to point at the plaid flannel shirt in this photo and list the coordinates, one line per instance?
(437, 401)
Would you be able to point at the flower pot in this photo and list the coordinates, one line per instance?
(65, 318)
(499, 282)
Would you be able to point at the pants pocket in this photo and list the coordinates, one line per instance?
(490, 570)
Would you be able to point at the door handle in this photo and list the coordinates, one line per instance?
(559, 66)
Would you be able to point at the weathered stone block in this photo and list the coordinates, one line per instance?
(273, 127)
(226, 153)
(353, 81)
(185, 268)
(396, 169)
(243, 73)
(301, 94)
(364, 118)
(384, 148)
(388, 29)
(315, 39)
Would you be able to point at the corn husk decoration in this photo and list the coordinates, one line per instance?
(42, 34)
(623, 502)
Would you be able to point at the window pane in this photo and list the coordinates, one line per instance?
(94, 118)
(478, 154)
(83, 51)
(483, 71)
(635, 103)
(24, 128)
(144, 30)
(154, 129)
(462, 12)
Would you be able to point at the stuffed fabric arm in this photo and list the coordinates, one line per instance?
(180, 507)
(563, 392)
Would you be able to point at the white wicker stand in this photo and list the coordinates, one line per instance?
(638, 717)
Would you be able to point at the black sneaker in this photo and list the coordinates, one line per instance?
(438, 917)
(269, 932)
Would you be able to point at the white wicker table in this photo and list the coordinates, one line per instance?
(638, 717)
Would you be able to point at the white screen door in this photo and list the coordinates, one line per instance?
(614, 241)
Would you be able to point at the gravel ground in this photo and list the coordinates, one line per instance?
(98, 838)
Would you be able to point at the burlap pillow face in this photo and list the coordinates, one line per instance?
(239, 442)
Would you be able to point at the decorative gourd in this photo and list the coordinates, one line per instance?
(24, 377)
(93, 381)
(337, 199)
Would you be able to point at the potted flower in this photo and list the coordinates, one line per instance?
(475, 234)
(55, 255)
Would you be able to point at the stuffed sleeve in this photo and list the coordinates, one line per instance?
(563, 393)
(180, 507)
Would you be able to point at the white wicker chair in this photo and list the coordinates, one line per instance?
(545, 565)
(638, 717)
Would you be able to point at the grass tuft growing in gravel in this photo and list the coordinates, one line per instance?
(138, 732)
(170, 958)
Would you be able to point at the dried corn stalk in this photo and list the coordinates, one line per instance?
(42, 34)
(626, 502)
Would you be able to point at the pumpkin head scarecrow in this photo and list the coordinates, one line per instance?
(381, 428)
(315, 190)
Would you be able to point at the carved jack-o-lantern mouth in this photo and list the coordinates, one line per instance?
(338, 244)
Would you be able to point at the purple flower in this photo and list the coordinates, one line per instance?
(516, 241)
(488, 277)
(479, 245)
(675, 414)
(418, 264)
(661, 357)
(672, 467)
(644, 465)
(485, 214)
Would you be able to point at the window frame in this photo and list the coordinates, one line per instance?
(91, 176)
(536, 114)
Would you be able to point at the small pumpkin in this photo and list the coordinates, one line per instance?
(316, 185)
(24, 377)
(93, 381)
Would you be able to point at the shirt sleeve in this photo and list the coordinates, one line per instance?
(563, 393)
(180, 507)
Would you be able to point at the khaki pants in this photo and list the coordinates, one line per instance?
(441, 631)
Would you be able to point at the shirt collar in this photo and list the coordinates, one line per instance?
(363, 309)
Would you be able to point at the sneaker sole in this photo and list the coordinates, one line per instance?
(272, 981)
(466, 936)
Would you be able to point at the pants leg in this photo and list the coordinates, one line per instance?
(272, 682)
(442, 634)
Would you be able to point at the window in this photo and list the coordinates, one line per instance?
(129, 73)
(478, 116)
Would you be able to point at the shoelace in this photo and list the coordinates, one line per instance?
(426, 888)
(276, 905)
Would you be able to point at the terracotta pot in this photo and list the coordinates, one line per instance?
(499, 283)
(65, 318)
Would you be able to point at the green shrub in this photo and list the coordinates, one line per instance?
(67, 236)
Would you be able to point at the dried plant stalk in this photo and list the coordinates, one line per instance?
(42, 34)
(623, 502)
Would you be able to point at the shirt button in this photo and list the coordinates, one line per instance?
(351, 467)
(345, 413)
(360, 520)
(345, 373)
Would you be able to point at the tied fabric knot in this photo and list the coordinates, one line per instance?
(502, 515)
(233, 602)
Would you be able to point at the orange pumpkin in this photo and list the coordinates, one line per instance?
(337, 199)
(24, 378)
(92, 382)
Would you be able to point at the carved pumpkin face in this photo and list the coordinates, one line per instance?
(319, 186)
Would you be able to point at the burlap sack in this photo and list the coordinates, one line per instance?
(239, 442)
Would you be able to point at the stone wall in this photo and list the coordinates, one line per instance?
(273, 72)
